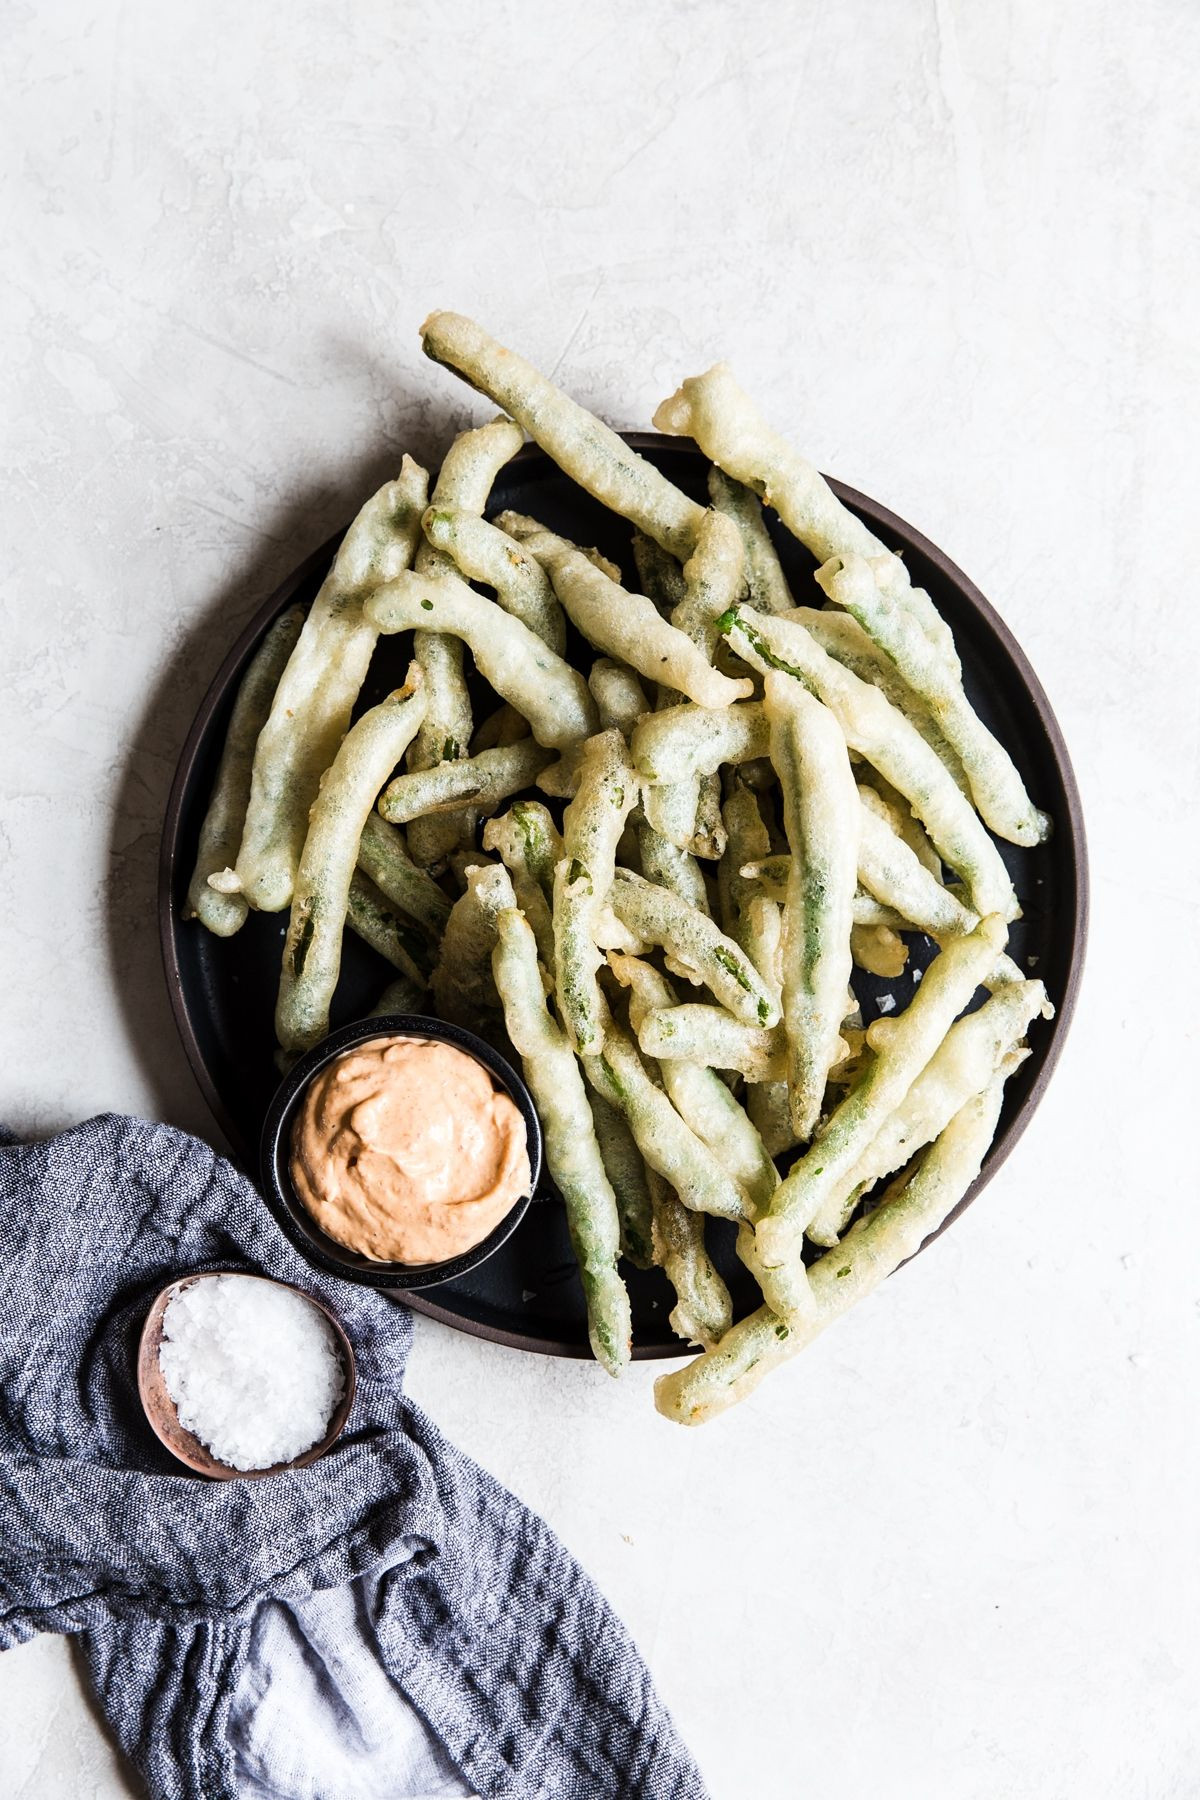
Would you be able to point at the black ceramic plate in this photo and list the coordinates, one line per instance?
(223, 990)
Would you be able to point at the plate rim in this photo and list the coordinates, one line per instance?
(879, 515)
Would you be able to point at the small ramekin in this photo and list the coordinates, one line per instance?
(275, 1149)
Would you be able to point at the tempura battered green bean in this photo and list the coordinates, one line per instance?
(714, 580)
(373, 918)
(731, 432)
(221, 832)
(592, 826)
(400, 996)
(619, 695)
(765, 579)
(664, 863)
(482, 782)
(821, 813)
(963, 1064)
(482, 552)
(843, 638)
(629, 627)
(551, 694)
(591, 454)
(703, 1309)
(902, 1045)
(657, 916)
(684, 741)
(660, 574)
(667, 1143)
(573, 1154)
(698, 1095)
(463, 988)
(877, 793)
(748, 841)
(713, 1037)
(312, 954)
(871, 1251)
(318, 688)
(630, 1180)
(884, 737)
(868, 590)
(464, 481)
(526, 840)
(382, 855)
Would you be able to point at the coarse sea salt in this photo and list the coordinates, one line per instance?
(253, 1368)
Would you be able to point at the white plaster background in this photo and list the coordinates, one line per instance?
(951, 1554)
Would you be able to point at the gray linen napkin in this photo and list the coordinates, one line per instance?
(386, 1622)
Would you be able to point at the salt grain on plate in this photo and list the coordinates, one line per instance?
(253, 1369)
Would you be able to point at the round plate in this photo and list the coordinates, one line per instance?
(223, 990)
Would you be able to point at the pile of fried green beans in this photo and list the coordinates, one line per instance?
(650, 872)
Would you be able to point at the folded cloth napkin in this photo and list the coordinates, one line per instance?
(386, 1623)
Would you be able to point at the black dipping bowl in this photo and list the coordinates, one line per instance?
(275, 1155)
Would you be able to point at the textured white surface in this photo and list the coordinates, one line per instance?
(953, 1553)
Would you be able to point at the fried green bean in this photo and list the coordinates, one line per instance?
(871, 1251)
(966, 1061)
(629, 626)
(312, 953)
(769, 1106)
(713, 581)
(711, 1036)
(382, 856)
(630, 1181)
(881, 735)
(698, 1095)
(684, 741)
(748, 840)
(703, 1310)
(482, 552)
(592, 826)
(843, 638)
(657, 916)
(708, 839)
(868, 589)
(771, 877)
(713, 410)
(551, 694)
(464, 481)
(903, 1046)
(821, 813)
(682, 814)
(522, 526)
(660, 573)
(573, 1154)
(317, 690)
(219, 911)
(766, 583)
(619, 695)
(589, 452)
(527, 841)
(400, 996)
(664, 863)
(483, 782)
(668, 1144)
(890, 870)
(464, 991)
(672, 810)
(880, 796)
(372, 917)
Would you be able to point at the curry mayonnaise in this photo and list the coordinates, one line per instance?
(404, 1150)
